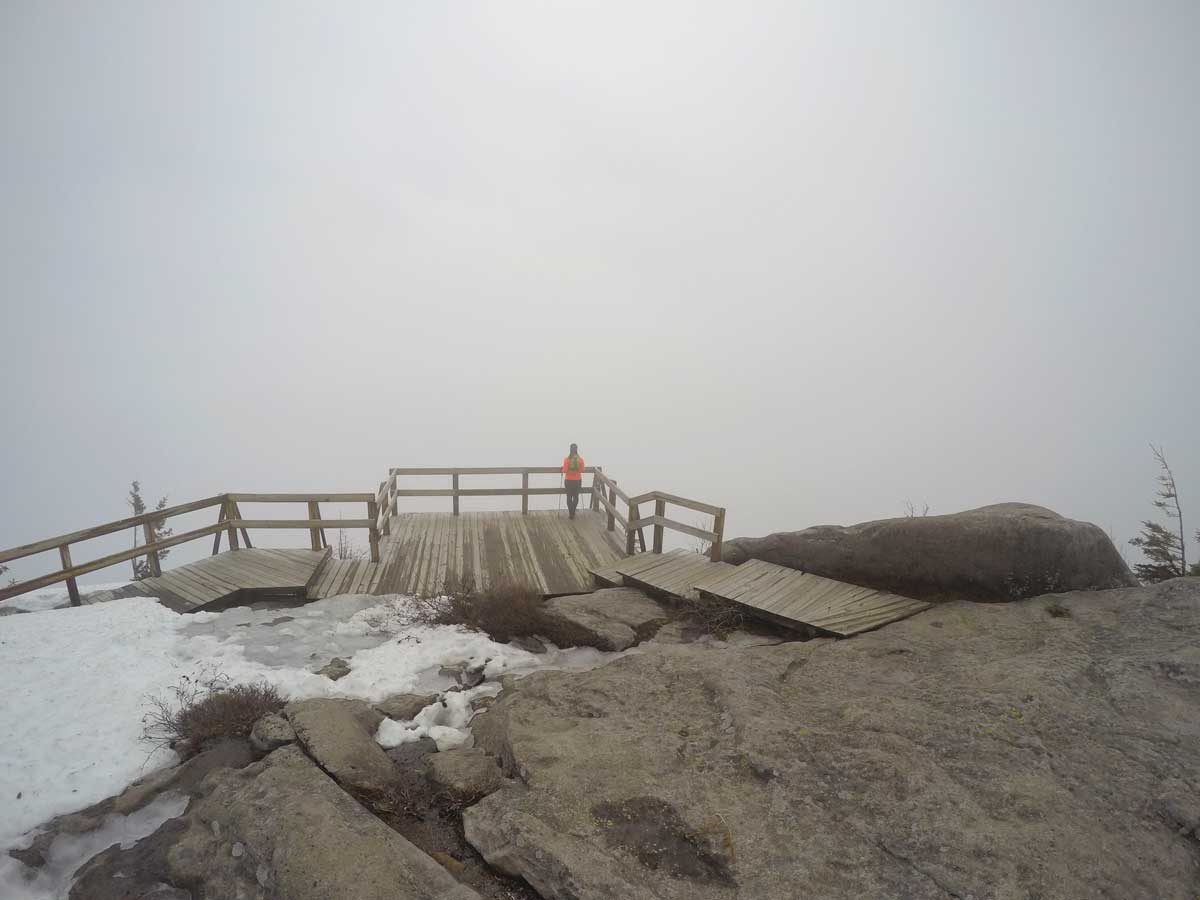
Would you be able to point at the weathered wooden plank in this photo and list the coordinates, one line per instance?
(494, 470)
(298, 523)
(75, 537)
(302, 498)
(659, 521)
(103, 562)
(677, 501)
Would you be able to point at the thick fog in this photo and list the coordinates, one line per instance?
(804, 260)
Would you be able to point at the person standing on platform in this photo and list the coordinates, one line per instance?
(572, 468)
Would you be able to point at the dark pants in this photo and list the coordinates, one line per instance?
(573, 494)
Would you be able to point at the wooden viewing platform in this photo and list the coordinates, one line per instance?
(424, 553)
(411, 553)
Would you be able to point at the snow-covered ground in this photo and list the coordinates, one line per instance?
(76, 683)
(54, 597)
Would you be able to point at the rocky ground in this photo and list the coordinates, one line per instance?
(1047, 748)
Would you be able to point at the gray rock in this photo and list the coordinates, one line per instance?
(340, 736)
(303, 838)
(412, 754)
(404, 707)
(1001, 552)
(1029, 749)
(610, 619)
(529, 644)
(231, 753)
(466, 774)
(271, 732)
(336, 668)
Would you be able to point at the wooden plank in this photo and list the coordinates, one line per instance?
(186, 585)
(494, 470)
(660, 515)
(484, 492)
(302, 498)
(64, 555)
(298, 523)
(660, 521)
(181, 587)
(314, 534)
(102, 563)
(108, 528)
(151, 553)
(717, 548)
(677, 501)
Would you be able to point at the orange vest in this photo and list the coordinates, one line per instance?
(575, 474)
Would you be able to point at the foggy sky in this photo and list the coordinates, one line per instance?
(804, 260)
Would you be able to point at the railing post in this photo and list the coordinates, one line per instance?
(373, 515)
(455, 486)
(217, 536)
(612, 504)
(595, 497)
(524, 493)
(64, 553)
(660, 509)
(237, 512)
(631, 529)
(151, 554)
(392, 493)
(230, 517)
(719, 529)
(314, 535)
(387, 520)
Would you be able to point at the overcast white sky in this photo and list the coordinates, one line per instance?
(805, 260)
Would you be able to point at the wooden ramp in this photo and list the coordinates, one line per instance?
(781, 595)
(545, 549)
(236, 576)
(676, 573)
(788, 597)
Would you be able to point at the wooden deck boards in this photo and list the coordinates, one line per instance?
(547, 550)
(675, 573)
(222, 579)
(789, 597)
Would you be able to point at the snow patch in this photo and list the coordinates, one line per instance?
(69, 851)
(80, 678)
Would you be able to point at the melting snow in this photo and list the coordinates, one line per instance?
(77, 681)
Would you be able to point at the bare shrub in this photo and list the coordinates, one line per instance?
(207, 707)
(712, 616)
(346, 548)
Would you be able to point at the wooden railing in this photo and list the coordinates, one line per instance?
(634, 523)
(229, 521)
(391, 492)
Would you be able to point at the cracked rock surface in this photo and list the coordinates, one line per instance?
(1046, 748)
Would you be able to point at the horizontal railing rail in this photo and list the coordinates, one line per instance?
(229, 522)
(456, 491)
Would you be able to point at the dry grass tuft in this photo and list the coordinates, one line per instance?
(207, 708)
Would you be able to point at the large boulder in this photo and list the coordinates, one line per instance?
(610, 619)
(1047, 748)
(282, 828)
(1001, 552)
(340, 736)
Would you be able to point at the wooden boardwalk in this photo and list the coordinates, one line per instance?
(544, 549)
(675, 573)
(230, 578)
(781, 595)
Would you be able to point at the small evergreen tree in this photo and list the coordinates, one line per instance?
(1165, 548)
(141, 566)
